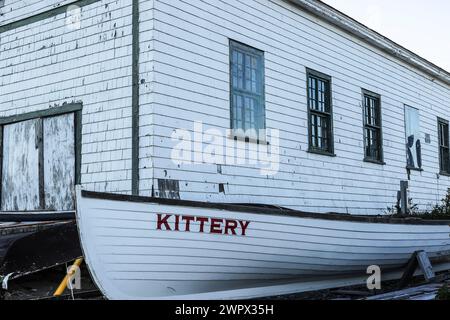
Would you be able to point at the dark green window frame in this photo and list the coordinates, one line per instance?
(373, 127)
(247, 88)
(444, 146)
(320, 113)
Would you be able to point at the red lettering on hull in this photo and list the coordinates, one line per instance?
(163, 221)
(169, 222)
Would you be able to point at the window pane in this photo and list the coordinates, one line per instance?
(320, 113)
(59, 162)
(239, 71)
(373, 146)
(322, 105)
(443, 135)
(314, 142)
(444, 161)
(413, 141)
(238, 110)
(367, 109)
(319, 93)
(312, 93)
(248, 73)
(247, 109)
(372, 111)
(254, 76)
(319, 132)
(372, 128)
(20, 178)
(249, 113)
(234, 69)
(253, 114)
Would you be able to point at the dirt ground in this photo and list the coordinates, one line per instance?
(41, 286)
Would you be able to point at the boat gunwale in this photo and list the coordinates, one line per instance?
(264, 210)
(36, 216)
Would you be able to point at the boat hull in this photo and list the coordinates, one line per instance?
(29, 248)
(150, 249)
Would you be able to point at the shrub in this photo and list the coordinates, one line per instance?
(439, 212)
(443, 293)
(444, 208)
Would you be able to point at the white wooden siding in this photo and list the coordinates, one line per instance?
(45, 65)
(191, 83)
(14, 10)
(184, 77)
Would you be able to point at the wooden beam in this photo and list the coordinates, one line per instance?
(78, 145)
(54, 111)
(1, 164)
(135, 100)
(418, 258)
(51, 12)
(425, 266)
(409, 271)
(40, 147)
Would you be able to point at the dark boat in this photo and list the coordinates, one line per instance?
(33, 242)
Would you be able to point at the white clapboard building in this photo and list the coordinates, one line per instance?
(152, 97)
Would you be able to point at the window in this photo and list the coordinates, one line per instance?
(320, 113)
(373, 138)
(247, 88)
(40, 161)
(444, 146)
(413, 142)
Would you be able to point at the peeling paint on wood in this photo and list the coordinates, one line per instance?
(20, 180)
(169, 189)
(59, 162)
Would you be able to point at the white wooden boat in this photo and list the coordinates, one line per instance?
(146, 248)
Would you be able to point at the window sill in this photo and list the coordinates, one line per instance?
(414, 169)
(248, 139)
(322, 153)
(445, 174)
(381, 163)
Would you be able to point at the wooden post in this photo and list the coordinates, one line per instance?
(425, 266)
(409, 271)
(404, 206)
(418, 258)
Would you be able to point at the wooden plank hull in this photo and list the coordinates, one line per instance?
(141, 250)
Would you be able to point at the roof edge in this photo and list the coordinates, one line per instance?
(357, 29)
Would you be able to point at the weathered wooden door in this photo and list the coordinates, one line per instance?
(20, 178)
(59, 162)
(38, 169)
